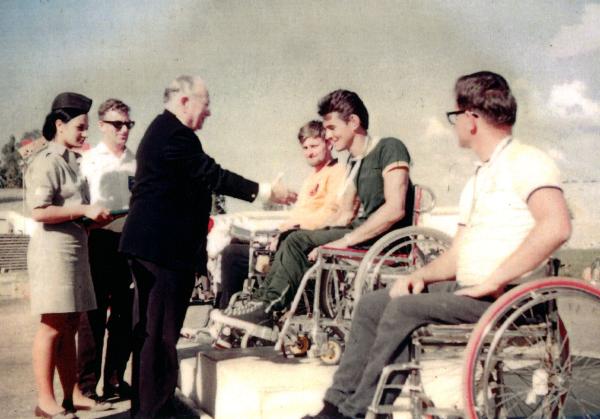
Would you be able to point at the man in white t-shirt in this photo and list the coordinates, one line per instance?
(513, 216)
(109, 169)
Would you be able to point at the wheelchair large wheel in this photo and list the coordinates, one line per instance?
(535, 353)
(335, 286)
(398, 253)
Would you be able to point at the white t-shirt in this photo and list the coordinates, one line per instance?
(493, 207)
(109, 178)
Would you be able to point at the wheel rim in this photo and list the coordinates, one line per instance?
(399, 252)
(547, 375)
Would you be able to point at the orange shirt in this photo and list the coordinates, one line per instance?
(318, 197)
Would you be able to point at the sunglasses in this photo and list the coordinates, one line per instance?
(120, 124)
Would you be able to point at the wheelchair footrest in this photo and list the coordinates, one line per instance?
(252, 329)
(405, 366)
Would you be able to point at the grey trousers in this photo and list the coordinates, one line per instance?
(380, 335)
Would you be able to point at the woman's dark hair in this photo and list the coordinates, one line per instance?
(64, 114)
(489, 94)
(345, 103)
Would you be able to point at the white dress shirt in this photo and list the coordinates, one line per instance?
(109, 178)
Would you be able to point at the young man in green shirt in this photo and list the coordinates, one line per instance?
(378, 174)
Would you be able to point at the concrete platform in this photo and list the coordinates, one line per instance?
(254, 383)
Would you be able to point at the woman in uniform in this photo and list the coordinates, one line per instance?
(60, 281)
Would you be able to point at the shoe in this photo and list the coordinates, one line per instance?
(213, 329)
(63, 414)
(329, 411)
(251, 312)
(98, 406)
(121, 391)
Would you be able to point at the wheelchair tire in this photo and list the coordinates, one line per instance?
(331, 293)
(399, 251)
(528, 357)
(333, 353)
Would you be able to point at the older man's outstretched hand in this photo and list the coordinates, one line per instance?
(280, 193)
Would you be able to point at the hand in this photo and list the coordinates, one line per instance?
(273, 242)
(98, 214)
(340, 244)
(407, 285)
(482, 290)
(280, 194)
(287, 225)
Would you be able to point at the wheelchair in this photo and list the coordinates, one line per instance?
(533, 354)
(320, 332)
(319, 318)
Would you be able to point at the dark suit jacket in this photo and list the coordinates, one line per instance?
(171, 196)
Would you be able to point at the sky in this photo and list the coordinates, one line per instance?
(267, 63)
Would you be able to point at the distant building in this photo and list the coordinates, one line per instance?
(29, 146)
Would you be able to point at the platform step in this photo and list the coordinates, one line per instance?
(257, 383)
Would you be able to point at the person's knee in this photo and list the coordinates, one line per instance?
(48, 332)
(367, 303)
(297, 241)
(405, 309)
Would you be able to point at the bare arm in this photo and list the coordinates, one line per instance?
(53, 214)
(552, 228)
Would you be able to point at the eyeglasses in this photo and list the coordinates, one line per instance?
(120, 124)
(453, 115)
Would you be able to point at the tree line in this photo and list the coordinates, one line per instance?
(11, 161)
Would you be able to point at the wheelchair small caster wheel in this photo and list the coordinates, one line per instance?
(333, 353)
(298, 348)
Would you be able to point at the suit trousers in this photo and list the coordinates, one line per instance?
(161, 300)
(112, 285)
(380, 335)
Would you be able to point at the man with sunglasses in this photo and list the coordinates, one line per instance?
(109, 168)
(512, 217)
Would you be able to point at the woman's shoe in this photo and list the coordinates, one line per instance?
(63, 414)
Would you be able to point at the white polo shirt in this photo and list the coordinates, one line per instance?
(109, 177)
(493, 207)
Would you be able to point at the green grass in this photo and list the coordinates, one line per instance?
(11, 200)
(574, 260)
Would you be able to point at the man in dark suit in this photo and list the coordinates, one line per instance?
(166, 227)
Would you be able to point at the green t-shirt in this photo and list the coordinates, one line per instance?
(384, 155)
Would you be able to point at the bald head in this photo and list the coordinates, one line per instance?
(187, 98)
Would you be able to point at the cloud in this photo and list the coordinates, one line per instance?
(569, 101)
(556, 154)
(436, 129)
(580, 38)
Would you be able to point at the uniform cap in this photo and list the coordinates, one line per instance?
(75, 101)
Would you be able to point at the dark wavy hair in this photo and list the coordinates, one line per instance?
(489, 94)
(63, 114)
(345, 103)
